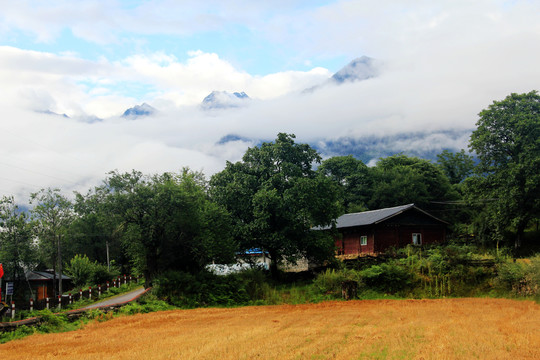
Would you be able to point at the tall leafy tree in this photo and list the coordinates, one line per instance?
(275, 197)
(53, 214)
(401, 179)
(353, 177)
(167, 221)
(457, 166)
(95, 231)
(17, 249)
(507, 143)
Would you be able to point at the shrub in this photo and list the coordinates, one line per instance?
(101, 273)
(522, 277)
(85, 272)
(387, 278)
(80, 270)
(204, 288)
(329, 282)
(146, 304)
(52, 322)
(20, 332)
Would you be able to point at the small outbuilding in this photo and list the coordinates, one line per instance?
(43, 282)
(371, 232)
(36, 285)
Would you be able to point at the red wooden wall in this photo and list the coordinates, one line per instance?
(380, 238)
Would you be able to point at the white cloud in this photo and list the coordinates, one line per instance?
(444, 63)
(71, 85)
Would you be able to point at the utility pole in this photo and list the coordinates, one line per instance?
(59, 265)
(108, 262)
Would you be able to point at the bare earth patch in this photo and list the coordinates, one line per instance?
(380, 329)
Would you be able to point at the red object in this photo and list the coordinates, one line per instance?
(1, 274)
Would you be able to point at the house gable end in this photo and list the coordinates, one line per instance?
(413, 217)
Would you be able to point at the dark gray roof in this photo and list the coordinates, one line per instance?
(370, 217)
(375, 216)
(43, 275)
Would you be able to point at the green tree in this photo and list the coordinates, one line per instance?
(80, 270)
(85, 272)
(507, 143)
(17, 251)
(275, 197)
(457, 166)
(167, 222)
(401, 179)
(53, 214)
(353, 177)
(95, 233)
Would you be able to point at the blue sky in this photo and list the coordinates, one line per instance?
(237, 39)
(439, 64)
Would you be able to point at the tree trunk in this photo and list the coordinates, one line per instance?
(54, 278)
(151, 270)
(274, 271)
(519, 235)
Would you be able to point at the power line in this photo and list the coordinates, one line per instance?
(463, 202)
(39, 145)
(22, 182)
(32, 171)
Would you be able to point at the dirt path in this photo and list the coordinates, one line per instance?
(120, 299)
(379, 329)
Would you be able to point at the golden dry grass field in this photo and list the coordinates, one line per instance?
(378, 329)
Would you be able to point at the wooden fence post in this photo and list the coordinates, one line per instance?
(59, 301)
(47, 300)
(13, 309)
(31, 304)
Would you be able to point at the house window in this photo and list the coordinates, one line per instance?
(363, 240)
(417, 239)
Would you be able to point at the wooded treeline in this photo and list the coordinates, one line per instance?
(272, 198)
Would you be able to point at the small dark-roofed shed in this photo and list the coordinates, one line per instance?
(42, 283)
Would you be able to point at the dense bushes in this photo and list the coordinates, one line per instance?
(387, 278)
(447, 270)
(85, 272)
(431, 272)
(521, 278)
(205, 288)
(329, 282)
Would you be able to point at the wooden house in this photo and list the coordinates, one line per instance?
(38, 285)
(42, 283)
(375, 231)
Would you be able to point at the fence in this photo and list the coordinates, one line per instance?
(71, 315)
(91, 293)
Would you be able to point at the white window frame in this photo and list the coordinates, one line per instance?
(363, 240)
(417, 238)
